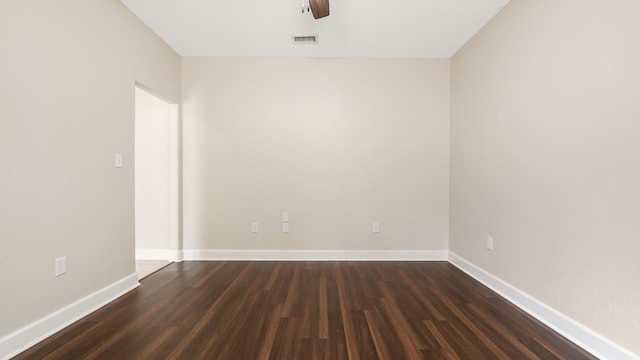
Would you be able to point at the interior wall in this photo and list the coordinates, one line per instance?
(151, 175)
(544, 157)
(338, 143)
(67, 75)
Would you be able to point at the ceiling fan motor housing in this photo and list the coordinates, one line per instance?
(319, 8)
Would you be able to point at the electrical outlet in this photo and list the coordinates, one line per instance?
(489, 243)
(285, 227)
(61, 265)
(285, 216)
(254, 227)
(376, 227)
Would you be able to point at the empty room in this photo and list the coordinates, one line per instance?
(323, 179)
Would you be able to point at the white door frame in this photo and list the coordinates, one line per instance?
(174, 251)
(175, 186)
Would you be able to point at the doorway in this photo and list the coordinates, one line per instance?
(156, 182)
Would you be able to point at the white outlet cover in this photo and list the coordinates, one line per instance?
(489, 243)
(285, 227)
(254, 227)
(61, 265)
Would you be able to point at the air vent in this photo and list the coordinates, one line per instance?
(309, 39)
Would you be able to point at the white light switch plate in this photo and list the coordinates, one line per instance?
(118, 160)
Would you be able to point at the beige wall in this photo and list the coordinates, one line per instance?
(545, 157)
(67, 74)
(338, 143)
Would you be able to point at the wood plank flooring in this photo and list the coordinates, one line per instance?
(308, 310)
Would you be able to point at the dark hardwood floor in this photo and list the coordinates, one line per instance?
(308, 310)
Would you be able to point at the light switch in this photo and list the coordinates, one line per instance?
(285, 227)
(118, 160)
(254, 227)
(285, 216)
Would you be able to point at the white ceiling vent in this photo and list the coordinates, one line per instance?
(308, 39)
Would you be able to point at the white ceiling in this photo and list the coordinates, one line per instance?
(355, 28)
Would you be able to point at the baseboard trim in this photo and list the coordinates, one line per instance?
(176, 255)
(316, 255)
(579, 334)
(22, 339)
(159, 254)
(152, 254)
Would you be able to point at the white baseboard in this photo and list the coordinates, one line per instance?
(33, 333)
(159, 254)
(152, 254)
(579, 334)
(176, 255)
(317, 255)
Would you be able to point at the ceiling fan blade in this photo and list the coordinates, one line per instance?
(319, 8)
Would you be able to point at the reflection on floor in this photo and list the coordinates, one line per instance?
(145, 268)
